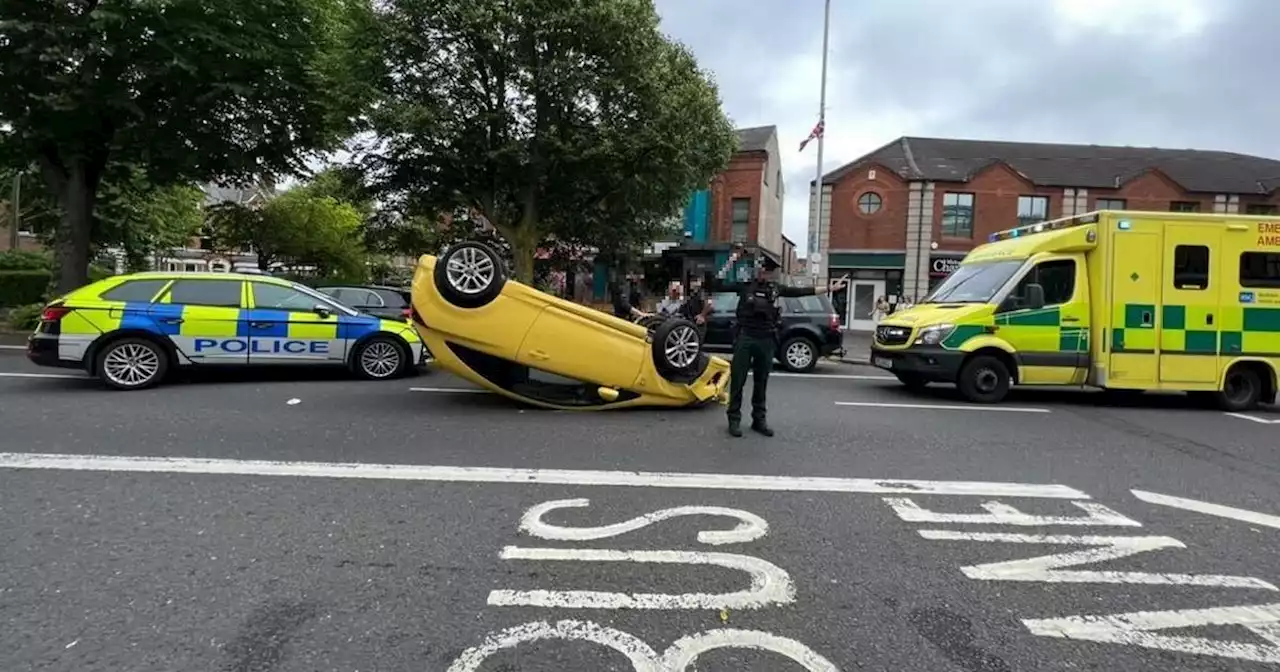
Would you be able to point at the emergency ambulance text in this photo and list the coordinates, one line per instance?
(262, 346)
(1269, 234)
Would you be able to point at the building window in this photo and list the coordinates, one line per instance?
(741, 219)
(1110, 204)
(1184, 206)
(1259, 209)
(957, 215)
(1260, 269)
(869, 203)
(1032, 209)
(1191, 267)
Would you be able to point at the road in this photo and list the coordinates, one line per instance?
(254, 523)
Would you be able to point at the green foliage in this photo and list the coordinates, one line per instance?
(143, 218)
(573, 120)
(25, 318)
(21, 260)
(186, 89)
(315, 235)
(22, 287)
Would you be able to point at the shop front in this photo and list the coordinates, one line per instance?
(873, 275)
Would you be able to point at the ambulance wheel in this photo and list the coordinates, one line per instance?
(470, 275)
(380, 358)
(1241, 390)
(676, 349)
(131, 364)
(984, 380)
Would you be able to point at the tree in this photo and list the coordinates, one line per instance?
(567, 119)
(296, 229)
(188, 90)
(144, 219)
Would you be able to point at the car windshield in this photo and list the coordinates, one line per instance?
(974, 283)
(324, 299)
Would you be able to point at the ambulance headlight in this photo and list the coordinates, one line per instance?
(935, 334)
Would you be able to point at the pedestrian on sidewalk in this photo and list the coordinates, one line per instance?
(756, 341)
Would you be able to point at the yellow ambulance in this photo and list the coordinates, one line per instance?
(1115, 300)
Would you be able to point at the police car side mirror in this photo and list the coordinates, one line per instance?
(1035, 296)
(322, 310)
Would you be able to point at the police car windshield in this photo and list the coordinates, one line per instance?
(323, 299)
(974, 283)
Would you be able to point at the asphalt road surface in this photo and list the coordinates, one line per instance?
(254, 523)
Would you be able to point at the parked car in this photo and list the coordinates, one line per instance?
(131, 330)
(391, 303)
(542, 350)
(810, 329)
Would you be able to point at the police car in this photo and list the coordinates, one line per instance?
(130, 330)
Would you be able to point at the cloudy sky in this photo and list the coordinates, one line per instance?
(1169, 73)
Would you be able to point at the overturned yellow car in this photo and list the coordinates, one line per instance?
(536, 348)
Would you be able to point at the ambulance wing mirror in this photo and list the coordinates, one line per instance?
(1035, 297)
(322, 310)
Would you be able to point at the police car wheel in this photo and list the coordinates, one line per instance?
(799, 355)
(380, 359)
(677, 347)
(131, 364)
(470, 275)
(984, 380)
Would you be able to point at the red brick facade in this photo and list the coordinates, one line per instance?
(996, 190)
(740, 180)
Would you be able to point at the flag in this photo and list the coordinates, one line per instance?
(815, 133)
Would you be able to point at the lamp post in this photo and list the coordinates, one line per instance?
(822, 262)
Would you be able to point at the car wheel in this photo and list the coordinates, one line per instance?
(911, 381)
(1241, 390)
(380, 358)
(131, 364)
(470, 275)
(799, 355)
(677, 347)
(984, 380)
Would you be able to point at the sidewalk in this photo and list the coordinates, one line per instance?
(857, 347)
(11, 338)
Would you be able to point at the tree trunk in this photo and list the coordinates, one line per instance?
(523, 252)
(77, 197)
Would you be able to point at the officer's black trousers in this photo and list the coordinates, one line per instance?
(754, 353)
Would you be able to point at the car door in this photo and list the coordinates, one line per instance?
(205, 320)
(289, 326)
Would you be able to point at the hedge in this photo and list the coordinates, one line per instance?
(20, 288)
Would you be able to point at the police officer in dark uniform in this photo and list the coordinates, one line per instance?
(756, 341)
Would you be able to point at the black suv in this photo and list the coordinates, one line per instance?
(391, 303)
(810, 329)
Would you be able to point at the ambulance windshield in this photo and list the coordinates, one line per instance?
(974, 283)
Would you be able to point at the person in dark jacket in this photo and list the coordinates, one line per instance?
(756, 340)
(696, 307)
(623, 304)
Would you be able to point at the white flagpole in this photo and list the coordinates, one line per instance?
(823, 263)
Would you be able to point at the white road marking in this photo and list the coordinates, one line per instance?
(1135, 629)
(43, 375)
(1244, 515)
(13, 347)
(750, 527)
(1262, 421)
(837, 376)
(945, 407)
(1046, 568)
(1003, 514)
(451, 390)
(679, 657)
(410, 472)
(770, 584)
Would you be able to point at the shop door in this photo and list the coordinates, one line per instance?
(862, 304)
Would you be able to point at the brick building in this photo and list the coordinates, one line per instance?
(743, 205)
(899, 219)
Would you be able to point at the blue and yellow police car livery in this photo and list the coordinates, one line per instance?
(129, 330)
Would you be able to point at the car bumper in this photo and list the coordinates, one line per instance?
(932, 364)
(42, 350)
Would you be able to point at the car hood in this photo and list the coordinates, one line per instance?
(927, 314)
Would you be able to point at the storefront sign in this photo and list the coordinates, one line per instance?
(943, 266)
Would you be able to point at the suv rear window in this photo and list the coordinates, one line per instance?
(393, 299)
(135, 291)
(809, 304)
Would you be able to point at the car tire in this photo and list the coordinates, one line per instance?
(798, 354)
(1241, 390)
(913, 382)
(380, 358)
(677, 349)
(984, 380)
(131, 364)
(470, 275)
